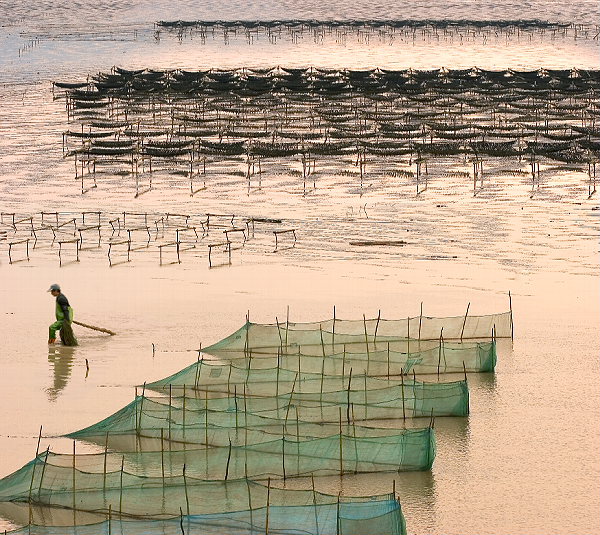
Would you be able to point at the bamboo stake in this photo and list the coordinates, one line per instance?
(105, 462)
(187, 499)
(37, 449)
(341, 445)
(184, 411)
(420, 320)
(74, 469)
(366, 341)
(287, 325)
(402, 387)
(43, 471)
(139, 428)
(121, 487)
(283, 450)
(228, 460)
(333, 330)
(464, 322)
(512, 331)
(388, 361)
(162, 455)
(268, 500)
(377, 327)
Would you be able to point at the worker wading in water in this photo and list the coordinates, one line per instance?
(64, 312)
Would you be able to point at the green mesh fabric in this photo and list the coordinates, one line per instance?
(335, 333)
(85, 486)
(280, 368)
(409, 399)
(378, 516)
(284, 457)
(150, 424)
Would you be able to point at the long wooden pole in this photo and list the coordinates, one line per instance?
(94, 328)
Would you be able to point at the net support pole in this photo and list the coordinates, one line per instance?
(105, 463)
(121, 487)
(420, 320)
(402, 389)
(388, 361)
(279, 332)
(462, 331)
(512, 330)
(187, 498)
(333, 330)
(184, 412)
(162, 456)
(348, 397)
(377, 327)
(341, 444)
(74, 469)
(287, 325)
(283, 451)
(366, 341)
(439, 354)
(228, 461)
(37, 449)
(139, 422)
(43, 472)
(268, 503)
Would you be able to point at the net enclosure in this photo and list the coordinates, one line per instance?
(381, 359)
(49, 486)
(378, 515)
(284, 457)
(147, 416)
(335, 333)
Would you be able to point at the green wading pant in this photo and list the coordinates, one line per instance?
(60, 319)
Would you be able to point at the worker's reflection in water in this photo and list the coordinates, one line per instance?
(61, 358)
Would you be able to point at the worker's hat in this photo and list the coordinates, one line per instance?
(54, 288)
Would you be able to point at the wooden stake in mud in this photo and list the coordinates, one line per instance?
(74, 470)
(228, 460)
(333, 330)
(388, 361)
(439, 354)
(287, 325)
(162, 456)
(268, 503)
(283, 451)
(139, 428)
(348, 397)
(105, 462)
(366, 341)
(341, 444)
(462, 331)
(43, 472)
(37, 449)
(187, 499)
(377, 327)
(184, 411)
(121, 487)
(512, 332)
(402, 391)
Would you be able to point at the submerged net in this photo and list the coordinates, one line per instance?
(380, 515)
